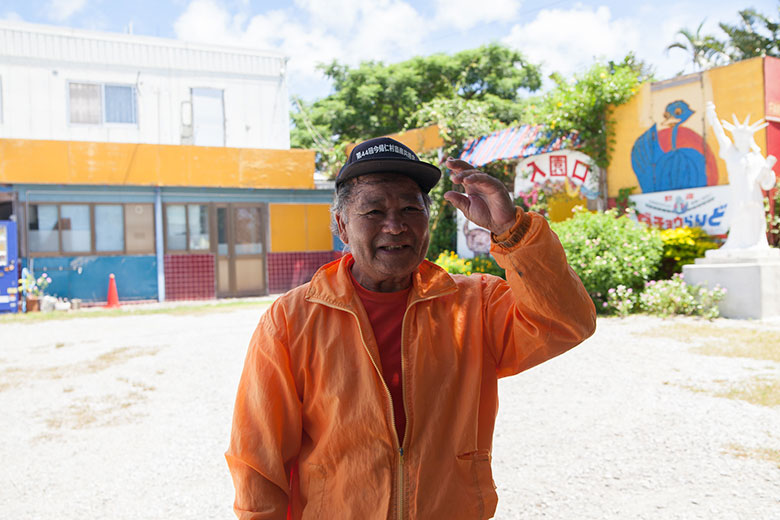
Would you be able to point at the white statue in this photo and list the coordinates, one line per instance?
(748, 173)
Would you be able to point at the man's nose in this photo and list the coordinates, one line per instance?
(394, 223)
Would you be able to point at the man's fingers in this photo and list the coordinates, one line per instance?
(457, 165)
(459, 200)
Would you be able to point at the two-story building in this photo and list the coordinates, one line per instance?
(166, 163)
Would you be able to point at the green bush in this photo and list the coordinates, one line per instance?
(607, 250)
(674, 296)
(682, 246)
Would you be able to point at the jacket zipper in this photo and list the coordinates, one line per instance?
(389, 395)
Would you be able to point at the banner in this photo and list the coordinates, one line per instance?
(563, 165)
(706, 208)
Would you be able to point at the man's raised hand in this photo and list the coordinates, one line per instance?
(486, 202)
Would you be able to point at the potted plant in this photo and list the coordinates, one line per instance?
(32, 288)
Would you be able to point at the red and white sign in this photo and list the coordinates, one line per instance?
(557, 167)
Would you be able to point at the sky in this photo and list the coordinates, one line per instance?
(562, 35)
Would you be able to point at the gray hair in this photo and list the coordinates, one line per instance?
(345, 192)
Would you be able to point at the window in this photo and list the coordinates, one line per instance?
(187, 227)
(120, 104)
(139, 228)
(108, 227)
(90, 229)
(43, 232)
(97, 103)
(249, 233)
(75, 228)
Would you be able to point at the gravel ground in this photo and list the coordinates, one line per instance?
(128, 418)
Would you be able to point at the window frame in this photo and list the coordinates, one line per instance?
(210, 219)
(93, 238)
(103, 122)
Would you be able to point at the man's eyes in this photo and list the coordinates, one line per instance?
(407, 209)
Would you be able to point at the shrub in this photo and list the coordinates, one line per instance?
(621, 300)
(488, 265)
(453, 264)
(674, 296)
(682, 246)
(607, 250)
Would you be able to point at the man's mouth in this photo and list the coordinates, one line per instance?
(393, 248)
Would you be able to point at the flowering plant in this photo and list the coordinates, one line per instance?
(33, 286)
(453, 264)
(674, 296)
(621, 300)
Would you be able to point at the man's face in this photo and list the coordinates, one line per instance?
(386, 227)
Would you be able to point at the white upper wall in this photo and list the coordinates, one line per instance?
(246, 106)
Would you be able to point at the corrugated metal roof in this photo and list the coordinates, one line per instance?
(510, 143)
(23, 41)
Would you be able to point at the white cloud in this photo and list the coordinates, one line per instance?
(61, 10)
(313, 32)
(567, 41)
(465, 14)
(207, 21)
(11, 16)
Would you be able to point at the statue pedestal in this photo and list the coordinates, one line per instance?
(751, 277)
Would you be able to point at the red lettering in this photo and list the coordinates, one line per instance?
(536, 170)
(558, 166)
(580, 166)
(658, 221)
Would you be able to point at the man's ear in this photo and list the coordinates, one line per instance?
(341, 224)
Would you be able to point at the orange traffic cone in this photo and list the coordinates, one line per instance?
(113, 296)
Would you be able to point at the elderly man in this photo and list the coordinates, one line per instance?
(371, 391)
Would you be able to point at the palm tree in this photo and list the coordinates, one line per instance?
(705, 50)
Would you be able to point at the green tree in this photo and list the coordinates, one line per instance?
(377, 99)
(704, 50)
(754, 35)
(581, 107)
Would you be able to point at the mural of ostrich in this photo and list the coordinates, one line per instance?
(676, 168)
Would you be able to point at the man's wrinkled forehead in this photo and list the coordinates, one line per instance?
(387, 183)
(376, 187)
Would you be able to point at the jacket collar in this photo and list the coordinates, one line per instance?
(332, 284)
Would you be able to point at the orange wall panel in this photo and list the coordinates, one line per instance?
(300, 227)
(125, 164)
(319, 237)
(288, 227)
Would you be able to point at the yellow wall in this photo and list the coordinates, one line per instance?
(628, 124)
(300, 227)
(736, 88)
(75, 162)
(420, 140)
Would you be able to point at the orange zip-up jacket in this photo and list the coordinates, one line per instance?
(312, 401)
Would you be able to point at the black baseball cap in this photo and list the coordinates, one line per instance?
(386, 155)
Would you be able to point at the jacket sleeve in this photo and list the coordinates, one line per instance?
(266, 433)
(542, 310)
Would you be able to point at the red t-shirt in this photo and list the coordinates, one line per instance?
(386, 313)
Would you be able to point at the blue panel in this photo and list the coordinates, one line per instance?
(9, 267)
(86, 277)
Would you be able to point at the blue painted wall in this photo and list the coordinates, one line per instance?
(86, 277)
